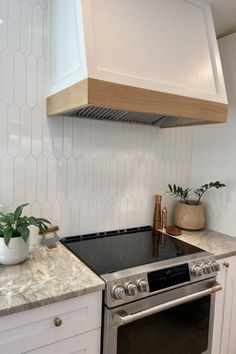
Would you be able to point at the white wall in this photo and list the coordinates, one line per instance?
(83, 175)
(214, 151)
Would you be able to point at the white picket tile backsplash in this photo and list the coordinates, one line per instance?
(83, 175)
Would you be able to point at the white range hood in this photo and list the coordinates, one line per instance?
(145, 61)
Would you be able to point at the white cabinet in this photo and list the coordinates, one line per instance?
(78, 328)
(86, 343)
(168, 46)
(224, 341)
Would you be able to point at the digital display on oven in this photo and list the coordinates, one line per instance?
(168, 277)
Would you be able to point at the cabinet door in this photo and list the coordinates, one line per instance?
(86, 343)
(232, 318)
(223, 307)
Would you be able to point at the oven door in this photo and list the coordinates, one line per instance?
(179, 321)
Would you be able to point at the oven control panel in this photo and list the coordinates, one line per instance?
(203, 268)
(125, 289)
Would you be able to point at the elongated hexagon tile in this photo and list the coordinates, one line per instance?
(41, 179)
(109, 212)
(57, 137)
(42, 79)
(67, 136)
(86, 137)
(47, 210)
(92, 207)
(7, 77)
(36, 209)
(47, 136)
(89, 178)
(52, 179)
(19, 180)
(105, 187)
(37, 31)
(13, 130)
(121, 177)
(4, 24)
(13, 25)
(75, 219)
(80, 178)
(25, 131)
(19, 79)
(83, 217)
(31, 81)
(56, 213)
(37, 131)
(113, 177)
(31, 179)
(3, 129)
(7, 180)
(100, 215)
(26, 28)
(62, 179)
(76, 137)
(71, 179)
(65, 218)
(97, 183)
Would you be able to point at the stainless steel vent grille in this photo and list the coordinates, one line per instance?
(94, 112)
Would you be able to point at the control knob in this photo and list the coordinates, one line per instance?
(143, 286)
(131, 289)
(215, 266)
(118, 292)
(206, 267)
(196, 270)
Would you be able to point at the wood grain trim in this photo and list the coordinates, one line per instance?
(113, 95)
(68, 99)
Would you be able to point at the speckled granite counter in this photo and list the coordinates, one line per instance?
(217, 243)
(46, 277)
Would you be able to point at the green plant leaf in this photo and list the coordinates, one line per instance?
(19, 210)
(25, 233)
(7, 236)
(45, 221)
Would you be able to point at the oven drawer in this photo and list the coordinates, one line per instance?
(30, 329)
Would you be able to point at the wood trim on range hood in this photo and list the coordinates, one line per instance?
(175, 110)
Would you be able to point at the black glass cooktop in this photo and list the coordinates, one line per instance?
(109, 252)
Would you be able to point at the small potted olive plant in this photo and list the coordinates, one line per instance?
(14, 235)
(189, 213)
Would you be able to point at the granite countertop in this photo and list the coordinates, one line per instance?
(46, 277)
(219, 244)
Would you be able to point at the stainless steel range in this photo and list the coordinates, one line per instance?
(160, 291)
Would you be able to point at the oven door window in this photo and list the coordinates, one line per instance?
(180, 330)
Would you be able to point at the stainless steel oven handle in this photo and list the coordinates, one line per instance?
(123, 318)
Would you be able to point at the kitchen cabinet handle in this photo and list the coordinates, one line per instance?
(226, 264)
(123, 318)
(58, 321)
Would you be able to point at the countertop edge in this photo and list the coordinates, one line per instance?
(51, 300)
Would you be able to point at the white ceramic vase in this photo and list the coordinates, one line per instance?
(16, 252)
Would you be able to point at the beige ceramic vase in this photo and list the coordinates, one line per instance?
(189, 217)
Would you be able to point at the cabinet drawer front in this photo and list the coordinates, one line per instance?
(86, 343)
(51, 323)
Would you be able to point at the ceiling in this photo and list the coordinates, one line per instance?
(224, 14)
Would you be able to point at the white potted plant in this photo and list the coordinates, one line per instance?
(189, 213)
(14, 235)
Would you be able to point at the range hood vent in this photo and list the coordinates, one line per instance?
(115, 61)
(119, 115)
